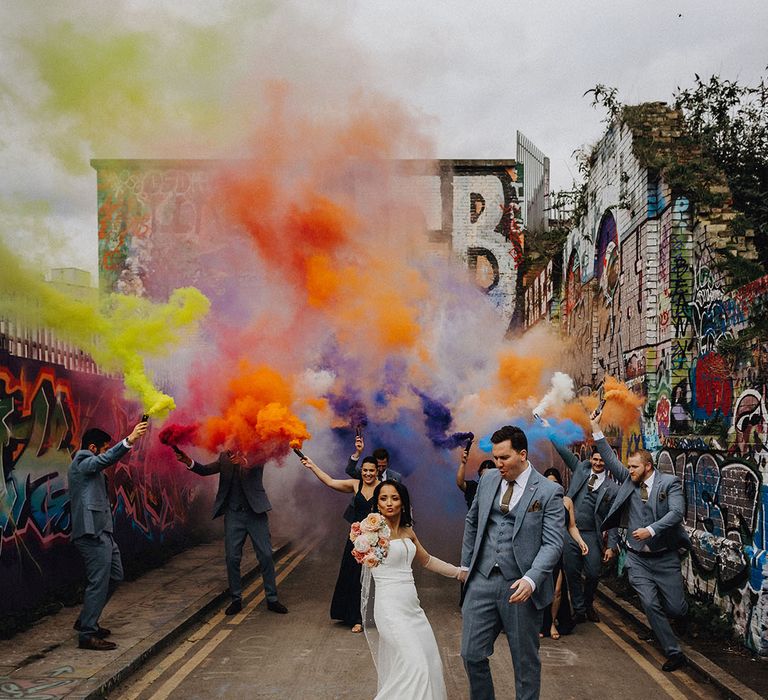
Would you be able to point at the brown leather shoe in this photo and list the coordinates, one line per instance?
(96, 644)
(592, 615)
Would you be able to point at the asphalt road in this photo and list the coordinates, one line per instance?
(303, 655)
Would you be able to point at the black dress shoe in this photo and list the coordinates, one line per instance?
(234, 607)
(579, 617)
(276, 606)
(674, 662)
(101, 633)
(592, 615)
(96, 644)
(646, 636)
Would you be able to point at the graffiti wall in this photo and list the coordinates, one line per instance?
(44, 409)
(726, 509)
(644, 300)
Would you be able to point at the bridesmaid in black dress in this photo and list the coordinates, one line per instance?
(345, 605)
(557, 616)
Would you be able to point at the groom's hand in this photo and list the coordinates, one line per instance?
(521, 591)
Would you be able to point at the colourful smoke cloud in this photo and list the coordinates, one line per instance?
(519, 377)
(179, 434)
(256, 416)
(560, 393)
(622, 405)
(120, 333)
(563, 432)
(438, 420)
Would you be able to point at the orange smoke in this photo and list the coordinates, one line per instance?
(257, 418)
(621, 410)
(383, 297)
(288, 229)
(579, 411)
(519, 377)
(622, 405)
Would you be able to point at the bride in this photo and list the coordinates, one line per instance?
(408, 662)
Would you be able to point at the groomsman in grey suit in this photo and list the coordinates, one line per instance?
(382, 463)
(93, 527)
(592, 495)
(650, 505)
(513, 537)
(243, 502)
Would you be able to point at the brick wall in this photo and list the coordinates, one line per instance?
(643, 300)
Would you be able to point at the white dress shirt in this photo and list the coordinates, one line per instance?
(600, 479)
(520, 483)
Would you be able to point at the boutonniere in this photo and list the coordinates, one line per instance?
(535, 506)
(662, 496)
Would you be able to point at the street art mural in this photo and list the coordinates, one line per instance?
(645, 300)
(487, 229)
(44, 410)
(726, 508)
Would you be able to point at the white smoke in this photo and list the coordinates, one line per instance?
(560, 393)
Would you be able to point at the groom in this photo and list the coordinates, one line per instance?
(513, 537)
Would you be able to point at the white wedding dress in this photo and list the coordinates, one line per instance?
(408, 663)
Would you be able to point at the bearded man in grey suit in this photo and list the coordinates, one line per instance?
(513, 538)
(243, 502)
(650, 506)
(93, 528)
(592, 495)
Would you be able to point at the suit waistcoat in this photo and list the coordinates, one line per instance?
(585, 502)
(497, 546)
(235, 498)
(638, 515)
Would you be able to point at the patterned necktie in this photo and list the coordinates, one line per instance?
(644, 492)
(507, 497)
(591, 484)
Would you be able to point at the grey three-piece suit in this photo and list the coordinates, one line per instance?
(590, 508)
(243, 502)
(653, 565)
(92, 529)
(498, 549)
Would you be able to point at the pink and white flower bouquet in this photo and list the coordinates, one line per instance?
(370, 540)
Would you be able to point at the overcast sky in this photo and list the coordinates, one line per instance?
(472, 72)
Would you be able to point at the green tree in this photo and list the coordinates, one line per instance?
(730, 122)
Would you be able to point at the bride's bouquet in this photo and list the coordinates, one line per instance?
(370, 540)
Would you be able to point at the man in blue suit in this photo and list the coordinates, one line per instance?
(243, 502)
(93, 527)
(513, 538)
(650, 506)
(592, 495)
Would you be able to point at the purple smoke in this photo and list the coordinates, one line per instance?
(438, 420)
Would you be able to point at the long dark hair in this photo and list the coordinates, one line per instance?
(406, 520)
(554, 472)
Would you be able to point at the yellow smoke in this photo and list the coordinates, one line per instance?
(119, 333)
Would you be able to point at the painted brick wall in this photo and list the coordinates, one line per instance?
(641, 283)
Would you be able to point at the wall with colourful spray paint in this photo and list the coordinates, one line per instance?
(644, 301)
(44, 409)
